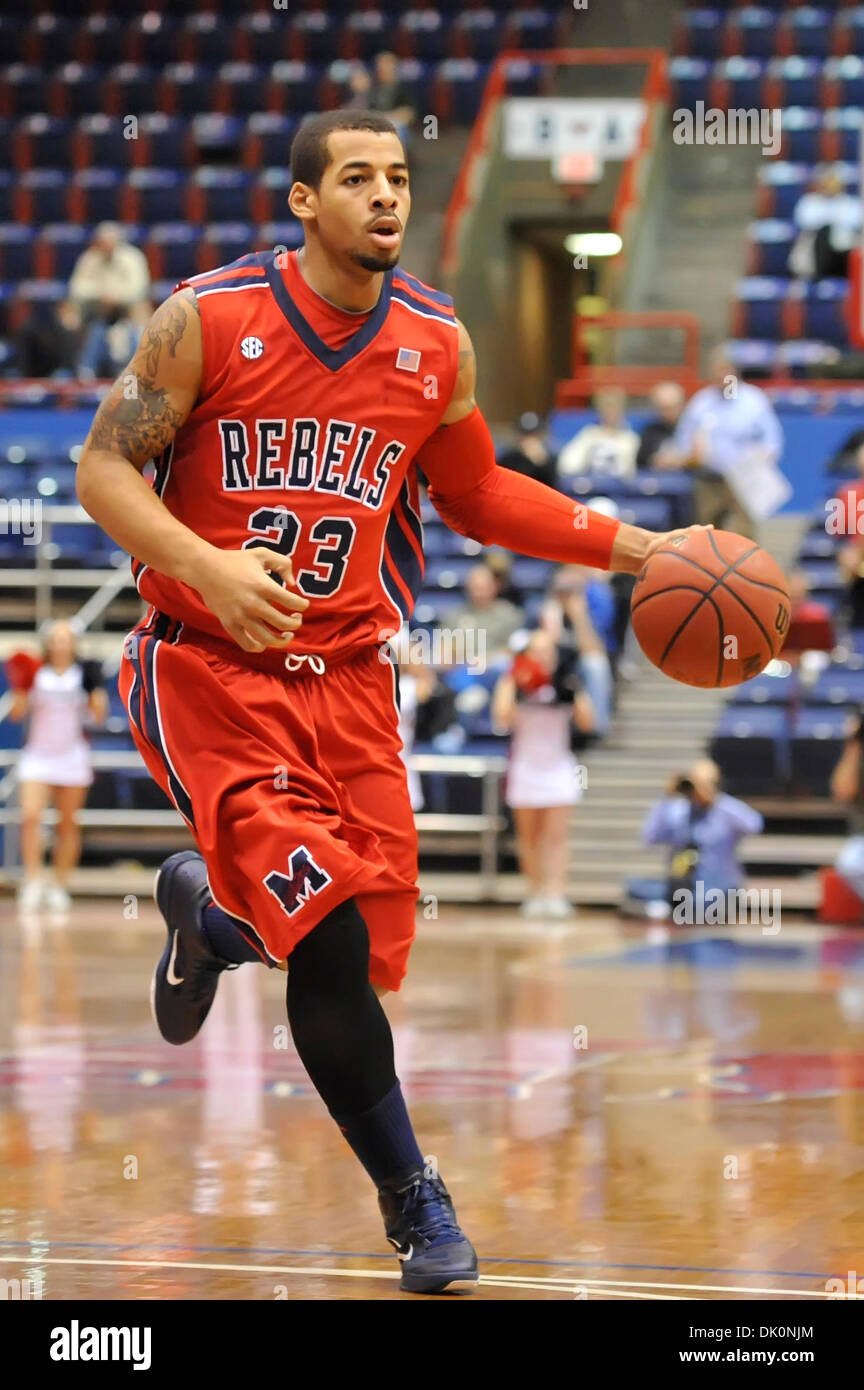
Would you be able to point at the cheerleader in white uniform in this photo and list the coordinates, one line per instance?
(54, 766)
(541, 701)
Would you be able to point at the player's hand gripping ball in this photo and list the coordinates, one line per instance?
(710, 608)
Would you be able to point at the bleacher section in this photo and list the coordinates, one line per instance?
(807, 62)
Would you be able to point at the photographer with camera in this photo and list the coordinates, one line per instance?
(702, 826)
(847, 786)
(540, 700)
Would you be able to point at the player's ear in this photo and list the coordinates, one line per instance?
(301, 200)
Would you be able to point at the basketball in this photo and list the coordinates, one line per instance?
(711, 609)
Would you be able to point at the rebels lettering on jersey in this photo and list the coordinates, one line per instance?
(308, 448)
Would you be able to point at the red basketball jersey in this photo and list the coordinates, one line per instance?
(308, 448)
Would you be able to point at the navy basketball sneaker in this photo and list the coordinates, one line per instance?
(185, 980)
(420, 1222)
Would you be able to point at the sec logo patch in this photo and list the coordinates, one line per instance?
(251, 347)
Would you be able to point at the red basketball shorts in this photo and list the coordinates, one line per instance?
(290, 781)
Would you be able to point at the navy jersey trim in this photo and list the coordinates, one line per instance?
(332, 358)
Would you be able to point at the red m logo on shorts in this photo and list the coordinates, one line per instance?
(295, 888)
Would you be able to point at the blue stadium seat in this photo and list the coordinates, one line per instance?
(152, 38)
(528, 574)
(802, 133)
(205, 38)
(421, 33)
(188, 87)
(837, 685)
(79, 88)
(287, 232)
(785, 184)
(44, 140)
(531, 28)
(848, 74)
(25, 84)
(753, 31)
(164, 138)
(849, 29)
(103, 140)
(16, 251)
(845, 123)
(367, 32)
(225, 193)
(750, 746)
(772, 240)
(448, 574)
(701, 32)
(46, 190)
(99, 192)
(816, 744)
(318, 33)
(159, 194)
(799, 80)
(217, 138)
(272, 134)
(132, 87)
(462, 81)
(51, 39)
(67, 240)
(229, 240)
(296, 84)
(241, 86)
(761, 300)
(653, 513)
(100, 37)
(523, 80)
(825, 311)
(744, 77)
(477, 34)
(175, 244)
(809, 31)
(689, 81)
(767, 690)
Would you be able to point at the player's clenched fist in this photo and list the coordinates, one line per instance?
(250, 605)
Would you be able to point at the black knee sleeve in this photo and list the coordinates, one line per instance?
(339, 1027)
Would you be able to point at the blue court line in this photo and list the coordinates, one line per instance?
(376, 1255)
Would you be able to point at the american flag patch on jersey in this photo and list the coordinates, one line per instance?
(407, 360)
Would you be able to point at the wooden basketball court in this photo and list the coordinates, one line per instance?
(619, 1114)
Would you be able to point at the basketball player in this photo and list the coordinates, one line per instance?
(288, 400)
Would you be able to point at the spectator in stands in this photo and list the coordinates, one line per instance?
(500, 563)
(607, 448)
(847, 787)
(829, 224)
(667, 398)
(48, 341)
(55, 761)
(811, 627)
(484, 612)
(530, 454)
(726, 425)
(851, 562)
(702, 826)
(540, 701)
(107, 351)
(579, 614)
(389, 94)
(110, 278)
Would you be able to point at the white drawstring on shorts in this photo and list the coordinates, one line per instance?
(294, 660)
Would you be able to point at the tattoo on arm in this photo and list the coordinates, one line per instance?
(166, 327)
(139, 426)
(138, 418)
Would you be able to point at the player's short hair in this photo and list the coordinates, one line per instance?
(310, 154)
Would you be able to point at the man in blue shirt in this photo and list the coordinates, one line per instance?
(709, 821)
(723, 424)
